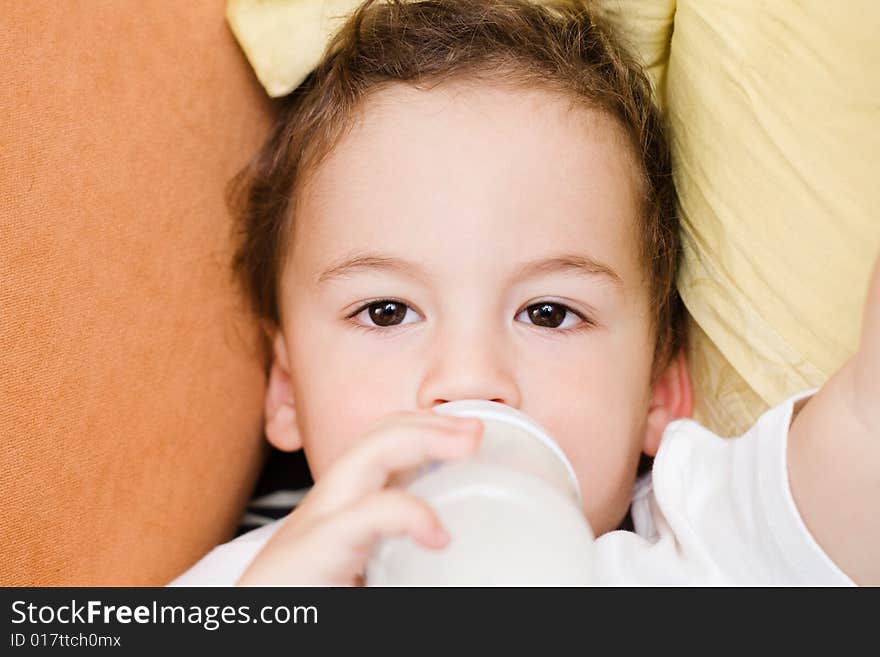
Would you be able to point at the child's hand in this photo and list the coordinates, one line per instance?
(327, 540)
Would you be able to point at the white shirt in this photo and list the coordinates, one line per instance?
(714, 511)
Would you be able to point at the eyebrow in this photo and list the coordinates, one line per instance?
(560, 264)
(580, 264)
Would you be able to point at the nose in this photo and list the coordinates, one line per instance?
(469, 366)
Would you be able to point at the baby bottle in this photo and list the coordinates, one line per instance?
(513, 512)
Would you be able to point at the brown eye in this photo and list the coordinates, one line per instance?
(552, 315)
(548, 315)
(387, 313)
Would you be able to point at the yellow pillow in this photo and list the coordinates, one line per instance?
(284, 39)
(775, 125)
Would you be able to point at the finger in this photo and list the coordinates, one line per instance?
(356, 529)
(367, 466)
(335, 550)
(391, 448)
(421, 417)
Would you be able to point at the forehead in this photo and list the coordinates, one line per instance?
(480, 170)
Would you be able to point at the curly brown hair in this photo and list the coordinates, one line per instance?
(561, 46)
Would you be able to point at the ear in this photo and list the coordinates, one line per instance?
(281, 428)
(671, 398)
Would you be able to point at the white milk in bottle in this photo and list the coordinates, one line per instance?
(513, 512)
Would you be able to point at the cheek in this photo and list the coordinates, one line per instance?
(595, 404)
(602, 434)
(339, 393)
(597, 422)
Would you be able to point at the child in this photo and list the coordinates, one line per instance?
(473, 200)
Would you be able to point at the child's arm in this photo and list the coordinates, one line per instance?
(834, 456)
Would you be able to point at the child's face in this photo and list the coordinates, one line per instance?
(465, 206)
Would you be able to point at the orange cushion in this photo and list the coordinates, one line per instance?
(132, 379)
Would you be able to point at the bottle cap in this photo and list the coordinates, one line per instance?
(495, 411)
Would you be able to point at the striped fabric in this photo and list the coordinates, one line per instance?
(283, 483)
